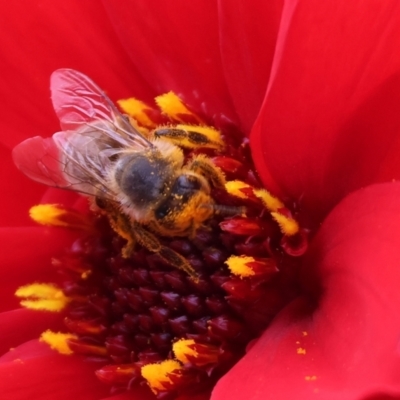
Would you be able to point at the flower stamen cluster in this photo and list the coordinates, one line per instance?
(149, 322)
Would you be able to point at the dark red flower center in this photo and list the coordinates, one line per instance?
(146, 321)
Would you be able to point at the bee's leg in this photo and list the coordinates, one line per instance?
(122, 226)
(191, 136)
(202, 165)
(151, 243)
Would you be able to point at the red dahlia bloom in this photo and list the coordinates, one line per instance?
(315, 86)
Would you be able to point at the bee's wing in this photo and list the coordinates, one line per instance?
(79, 102)
(42, 160)
(79, 157)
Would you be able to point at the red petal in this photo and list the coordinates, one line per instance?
(55, 34)
(330, 122)
(26, 257)
(351, 339)
(248, 37)
(19, 326)
(175, 46)
(18, 193)
(33, 371)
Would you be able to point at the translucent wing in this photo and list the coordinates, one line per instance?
(79, 102)
(94, 133)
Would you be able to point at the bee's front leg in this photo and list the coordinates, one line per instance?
(151, 243)
(204, 166)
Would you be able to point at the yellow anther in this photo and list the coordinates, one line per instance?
(42, 296)
(270, 202)
(137, 110)
(182, 348)
(235, 188)
(56, 215)
(158, 375)
(171, 105)
(58, 341)
(288, 225)
(238, 265)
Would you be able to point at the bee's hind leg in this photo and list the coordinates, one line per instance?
(151, 243)
(191, 136)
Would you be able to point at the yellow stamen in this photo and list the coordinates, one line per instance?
(58, 341)
(171, 105)
(270, 202)
(157, 375)
(235, 188)
(182, 349)
(42, 296)
(288, 226)
(137, 110)
(56, 215)
(238, 265)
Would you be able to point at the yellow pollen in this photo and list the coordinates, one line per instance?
(270, 202)
(171, 105)
(182, 349)
(137, 110)
(234, 188)
(288, 226)
(58, 341)
(156, 375)
(311, 378)
(56, 215)
(238, 265)
(300, 350)
(42, 296)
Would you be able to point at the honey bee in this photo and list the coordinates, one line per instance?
(142, 183)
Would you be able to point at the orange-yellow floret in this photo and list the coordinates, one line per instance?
(138, 111)
(172, 106)
(238, 265)
(183, 348)
(235, 188)
(42, 296)
(58, 341)
(157, 375)
(56, 215)
(270, 202)
(288, 225)
(199, 354)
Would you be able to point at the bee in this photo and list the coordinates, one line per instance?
(143, 184)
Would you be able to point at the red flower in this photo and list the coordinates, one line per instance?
(325, 77)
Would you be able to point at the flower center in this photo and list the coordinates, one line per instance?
(176, 325)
